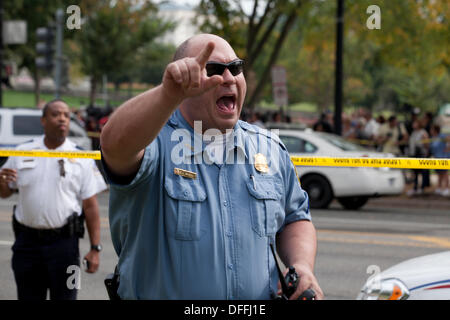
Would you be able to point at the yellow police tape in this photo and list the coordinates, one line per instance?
(399, 163)
(51, 154)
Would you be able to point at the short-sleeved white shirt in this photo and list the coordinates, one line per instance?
(47, 199)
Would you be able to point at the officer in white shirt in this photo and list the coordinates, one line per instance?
(55, 196)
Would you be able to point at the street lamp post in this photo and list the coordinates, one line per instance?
(338, 96)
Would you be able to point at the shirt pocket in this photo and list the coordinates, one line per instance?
(184, 208)
(71, 178)
(26, 170)
(266, 212)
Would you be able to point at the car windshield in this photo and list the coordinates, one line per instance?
(341, 143)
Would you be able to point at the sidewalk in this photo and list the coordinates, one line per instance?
(418, 202)
(427, 200)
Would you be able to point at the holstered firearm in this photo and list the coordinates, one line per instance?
(112, 281)
(76, 225)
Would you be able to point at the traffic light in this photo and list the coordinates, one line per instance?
(45, 48)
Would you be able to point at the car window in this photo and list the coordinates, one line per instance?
(341, 143)
(27, 125)
(297, 145)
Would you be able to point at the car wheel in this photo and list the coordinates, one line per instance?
(353, 203)
(319, 191)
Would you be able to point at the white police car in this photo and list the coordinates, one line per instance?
(18, 125)
(423, 278)
(352, 187)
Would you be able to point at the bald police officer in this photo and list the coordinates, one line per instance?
(47, 220)
(198, 196)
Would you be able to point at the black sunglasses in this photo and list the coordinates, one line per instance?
(218, 68)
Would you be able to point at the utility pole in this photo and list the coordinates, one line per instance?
(58, 52)
(1, 53)
(338, 96)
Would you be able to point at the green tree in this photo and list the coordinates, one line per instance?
(112, 34)
(406, 61)
(257, 36)
(37, 13)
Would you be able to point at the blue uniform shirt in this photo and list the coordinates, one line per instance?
(206, 236)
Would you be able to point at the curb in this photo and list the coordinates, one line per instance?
(425, 201)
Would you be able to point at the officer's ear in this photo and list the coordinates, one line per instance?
(43, 121)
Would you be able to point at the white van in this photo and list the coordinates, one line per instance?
(19, 125)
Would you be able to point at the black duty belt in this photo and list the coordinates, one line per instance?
(43, 234)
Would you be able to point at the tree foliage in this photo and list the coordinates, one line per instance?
(406, 62)
(36, 13)
(112, 35)
(263, 29)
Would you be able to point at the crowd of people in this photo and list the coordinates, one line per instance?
(419, 136)
(93, 119)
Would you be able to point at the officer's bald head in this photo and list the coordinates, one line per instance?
(190, 47)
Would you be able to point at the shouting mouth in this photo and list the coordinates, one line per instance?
(226, 104)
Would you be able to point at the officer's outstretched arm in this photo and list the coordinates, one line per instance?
(138, 121)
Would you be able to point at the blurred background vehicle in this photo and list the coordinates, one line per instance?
(352, 187)
(18, 125)
(422, 278)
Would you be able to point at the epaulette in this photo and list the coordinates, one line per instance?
(258, 130)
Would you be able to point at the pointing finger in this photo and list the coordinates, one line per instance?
(204, 55)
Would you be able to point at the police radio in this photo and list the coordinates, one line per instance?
(290, 282)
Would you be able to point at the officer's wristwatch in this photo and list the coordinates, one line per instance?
(96, 247)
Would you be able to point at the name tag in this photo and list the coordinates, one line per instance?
(185, 173)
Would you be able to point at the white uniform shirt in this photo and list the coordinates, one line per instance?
(47, 199)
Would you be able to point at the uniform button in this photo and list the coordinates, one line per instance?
(229, 234)
(225, 203)
(230, 266)
(185, 193)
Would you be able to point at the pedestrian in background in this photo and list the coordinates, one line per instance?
(438, 149)
(199, 226)
(48, 219)
(392, 136)
(418, 149)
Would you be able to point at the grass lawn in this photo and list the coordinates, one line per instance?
(13, 98)
(300, 107)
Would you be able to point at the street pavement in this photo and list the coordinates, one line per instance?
(384, 232)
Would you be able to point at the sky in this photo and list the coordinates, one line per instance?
(246, 4)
